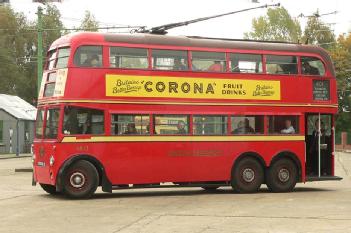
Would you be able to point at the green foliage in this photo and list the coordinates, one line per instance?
(316, 32)
(89, 22)
(277, 25)
(341, 55)
(18, 41)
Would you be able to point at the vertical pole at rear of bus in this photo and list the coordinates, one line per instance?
(319, 144)
(40, 48)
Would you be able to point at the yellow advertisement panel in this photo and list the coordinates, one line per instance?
(194, 88)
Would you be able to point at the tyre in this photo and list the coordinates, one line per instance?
(281, 176)
(50, 189)
(80, 180)
(247, 176)
(210, 188)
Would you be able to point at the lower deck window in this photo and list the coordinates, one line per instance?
(171, 124)
(283, 124)
(210, 125)
(130, 124)
(79, 120)
(247, 125)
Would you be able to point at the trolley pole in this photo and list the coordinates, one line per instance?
(40, 48)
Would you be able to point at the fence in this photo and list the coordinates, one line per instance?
(343, 141)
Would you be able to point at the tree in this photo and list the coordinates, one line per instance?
(316, 32)
(89, 22)
(277, 25)
(341, 55)
(18, 52)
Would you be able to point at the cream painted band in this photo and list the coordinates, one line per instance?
(42, 102)
(159, 138)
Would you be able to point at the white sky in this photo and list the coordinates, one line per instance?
(157, 12)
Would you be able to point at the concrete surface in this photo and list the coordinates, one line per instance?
(312, 207)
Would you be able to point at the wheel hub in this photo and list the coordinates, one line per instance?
(248, 175)
(77, 180)
(283, 175)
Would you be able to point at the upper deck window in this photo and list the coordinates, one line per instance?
(133, 58)
(277, 64)
(245, 63)
(312, 66)
(208, 61)
(51, 59)
(62, 58)
(88, 56)
(169, 60)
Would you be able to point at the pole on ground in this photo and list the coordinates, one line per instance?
(40, 48)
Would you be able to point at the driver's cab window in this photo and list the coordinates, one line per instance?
(79, 120)
(88, 56)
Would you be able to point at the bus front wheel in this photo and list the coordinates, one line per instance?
(247, 176)
(282, 176)
(81, 180)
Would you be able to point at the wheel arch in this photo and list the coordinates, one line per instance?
(103, 180)
(292, 156)
(251, 154)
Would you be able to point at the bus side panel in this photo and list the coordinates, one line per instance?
(146, 162)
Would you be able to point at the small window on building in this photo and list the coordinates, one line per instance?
(247, 125)
(245, 63)
(51, 59)
(169, 60)
(130, 124)
(39, 124)
(312, 66)
(52, 122)
(88, 56)
(132, 58)
(83, 121)
(277, 64)
(283, 124)
(171, 124)
(210, 125)
(208, 61)
(63, 56)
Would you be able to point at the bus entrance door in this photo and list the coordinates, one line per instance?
(319, 145)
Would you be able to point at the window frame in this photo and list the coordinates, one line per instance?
(168, 49)
(262, 116)
(229, 62)
(106, 128)
(225, 67)
(102, 62)
(148, 56)
(225, 124)
(189, 124)
(111, 114)
(313, 75)
(298, 68)
(298, 128)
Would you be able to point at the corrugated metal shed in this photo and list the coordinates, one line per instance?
(17, 107)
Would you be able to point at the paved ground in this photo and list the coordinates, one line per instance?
(313, 207)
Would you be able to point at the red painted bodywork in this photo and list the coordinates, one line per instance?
(145, 162)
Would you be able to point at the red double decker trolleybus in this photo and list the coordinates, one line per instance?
(143, 110)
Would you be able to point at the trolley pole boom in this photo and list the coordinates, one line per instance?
(162, 30)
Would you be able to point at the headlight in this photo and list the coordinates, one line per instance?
(52, 160)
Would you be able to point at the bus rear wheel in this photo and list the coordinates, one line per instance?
(282, 176)
(50, 189)
(247, 176)
(80, 180)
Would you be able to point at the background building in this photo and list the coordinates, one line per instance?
(17, 119)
